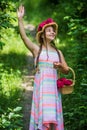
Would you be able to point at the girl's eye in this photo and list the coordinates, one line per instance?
(49, 30)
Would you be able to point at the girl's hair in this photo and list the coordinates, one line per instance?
(38, 55)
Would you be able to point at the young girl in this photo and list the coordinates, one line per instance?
(46, 111)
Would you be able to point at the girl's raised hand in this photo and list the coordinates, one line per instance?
(20, 12)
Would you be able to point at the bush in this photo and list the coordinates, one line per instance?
(11, 119)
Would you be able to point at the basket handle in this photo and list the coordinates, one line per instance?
(72, 73)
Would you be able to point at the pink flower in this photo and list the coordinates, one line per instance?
(48, 21)
(60, 83)
(63, 81)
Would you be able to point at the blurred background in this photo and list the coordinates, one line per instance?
(71, 17)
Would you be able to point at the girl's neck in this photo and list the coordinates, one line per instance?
(48, 47)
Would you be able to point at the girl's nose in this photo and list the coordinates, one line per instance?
(52, 32)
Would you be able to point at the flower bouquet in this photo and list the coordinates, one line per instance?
(66, 85)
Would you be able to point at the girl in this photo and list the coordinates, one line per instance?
(46, 111)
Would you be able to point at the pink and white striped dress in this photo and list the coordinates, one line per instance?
(46, 102)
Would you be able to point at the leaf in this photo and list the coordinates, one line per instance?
(1, 45)
(17, 109)
(11, 114)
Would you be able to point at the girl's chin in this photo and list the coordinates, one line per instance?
(51, 39)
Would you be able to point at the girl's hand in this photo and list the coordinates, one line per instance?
(20, 12)
(57, 65)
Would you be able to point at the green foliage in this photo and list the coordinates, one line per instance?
(7, 17)
(12, 66)
(8, 88)
(10, 96)
(11, 119)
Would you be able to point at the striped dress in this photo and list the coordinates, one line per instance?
(46, 101)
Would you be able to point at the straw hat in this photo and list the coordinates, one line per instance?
(43, 25)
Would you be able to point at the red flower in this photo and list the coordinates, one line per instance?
(60, 83)
(49, 20)
(63, 81)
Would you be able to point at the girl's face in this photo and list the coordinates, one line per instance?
(50, 33)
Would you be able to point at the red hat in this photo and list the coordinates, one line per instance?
(43, 25)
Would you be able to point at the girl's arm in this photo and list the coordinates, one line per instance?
(62, 65)
(31, 46)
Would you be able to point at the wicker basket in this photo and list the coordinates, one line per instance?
(69, 89)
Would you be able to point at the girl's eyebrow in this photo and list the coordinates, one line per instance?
(50, 29)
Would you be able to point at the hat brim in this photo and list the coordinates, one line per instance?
(38, 35)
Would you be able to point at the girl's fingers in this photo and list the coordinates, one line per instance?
(20, 11)
(57, 65)
(21, 8)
